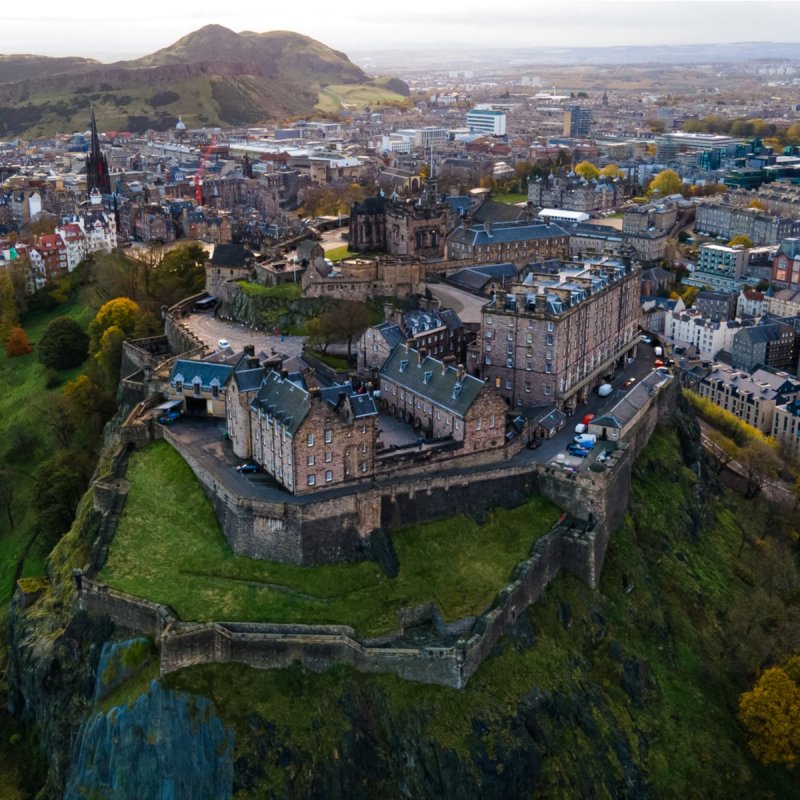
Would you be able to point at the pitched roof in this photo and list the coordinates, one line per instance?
(431, 380)
(283, 400)
(187, 371)
(229, 255)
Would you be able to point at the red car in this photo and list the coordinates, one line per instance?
(587, 418)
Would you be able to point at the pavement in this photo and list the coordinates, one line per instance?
(467, 306)
(211, 329)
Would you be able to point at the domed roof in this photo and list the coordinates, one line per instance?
(181, 126)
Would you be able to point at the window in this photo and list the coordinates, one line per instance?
(312, 480)
(328, 436)
(328, 458)
(328, 475)
(215, 390)
(364, 466)
(312, 460)
(510, 362)
(196, 386)
(179, 386)
(548, 368)
(488, 361)
(550, 327)
(488, 320)
(310, 440)
(478, 424)
(550, 338)
(527, 386)
(491, 421)
(508, 384)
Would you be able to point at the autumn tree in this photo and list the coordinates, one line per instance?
(64, 344)
(88, 405)
(612, 171)
(121, 313)
(771, 714)
(587, 170)
(667, 182)
(760, 463)
(17, 343)
(109, 354)
(742, 239)
(756, 203)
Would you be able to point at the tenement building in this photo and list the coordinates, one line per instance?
(551, 339)
(517, 242)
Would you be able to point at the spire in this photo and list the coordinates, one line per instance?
(97, 175)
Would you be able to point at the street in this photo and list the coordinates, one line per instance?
(207, 327)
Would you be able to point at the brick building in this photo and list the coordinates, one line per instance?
(553, 338)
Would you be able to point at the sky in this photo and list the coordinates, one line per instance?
(112, 31)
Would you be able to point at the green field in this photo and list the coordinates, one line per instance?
(169, 548)
(334, 98)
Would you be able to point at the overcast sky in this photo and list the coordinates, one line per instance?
(111, 31)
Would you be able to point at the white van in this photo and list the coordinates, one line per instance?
(223, 344)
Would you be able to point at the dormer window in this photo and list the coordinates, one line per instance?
(427, 377)
(197, 385)
(179, 383)
(215, 388)
(456, 390)
(403, 365)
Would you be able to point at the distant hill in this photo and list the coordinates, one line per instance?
(20, 66)
(213, 76)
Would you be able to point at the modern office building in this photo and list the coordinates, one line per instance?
(487, 121)
(577, 121)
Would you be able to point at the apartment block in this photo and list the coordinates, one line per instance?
(552, 339)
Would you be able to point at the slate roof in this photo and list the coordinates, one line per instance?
(475, 278)
(283, 400)
(431, 380)
(248, 380)
(209, 373)
(630, 405)
(492, 211)
(391, 333)
(503, 232)
(229, 255)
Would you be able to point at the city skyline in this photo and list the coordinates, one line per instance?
(91, 31)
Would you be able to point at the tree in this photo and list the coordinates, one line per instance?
(612, 171)
(742, 239)
(759, 204)
(587, 170)
(109, 354)
(760, 463)
(17, 343)
(60, 484)
(121, 313)
(667, 182)
(63, 345)
(656, 125)
(347, 320)
(771, 714)
(88, 406)
(179, 274)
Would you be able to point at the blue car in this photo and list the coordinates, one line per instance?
(574, 450)
(247, 468)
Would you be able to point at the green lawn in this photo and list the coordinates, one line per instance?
(169, 548)
(338, 253)
(510, 199)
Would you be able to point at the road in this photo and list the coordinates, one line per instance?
(467, 306)
(210, 330)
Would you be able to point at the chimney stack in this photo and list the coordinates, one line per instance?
(423, 354)
(250, 350)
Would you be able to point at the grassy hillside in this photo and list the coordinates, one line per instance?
(629, 691)
(18, 67)
(455, 563)
(210, 77)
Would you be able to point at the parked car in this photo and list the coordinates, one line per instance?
(585, 440)
(587, 418)
(605, 389)
(534, 443)
(628, 383)
(169, 417)
(647, 340)
(576, 450)
(658, 363)
(580, 428)
(246, 468)
(223, 344)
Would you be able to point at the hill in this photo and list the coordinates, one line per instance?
(213, 76)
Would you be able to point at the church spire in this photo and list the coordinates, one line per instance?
(97, 175)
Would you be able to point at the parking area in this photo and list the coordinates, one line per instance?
(555, 450)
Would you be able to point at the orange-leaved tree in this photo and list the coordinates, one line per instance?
(17, 343)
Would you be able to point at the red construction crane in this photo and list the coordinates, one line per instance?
(198, 178)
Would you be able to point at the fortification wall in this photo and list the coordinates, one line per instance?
(180, 338)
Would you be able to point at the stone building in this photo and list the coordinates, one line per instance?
(442, 401)
(230, 262)
(786, 266)
(786, 426)
(649, 216)
(726, 221)
(553, 338)
(574, 193)
(770, 344)
(200, 386)
(311, 439)
(364, 278)
(440, 331)
(516, 242)
(752, 398)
